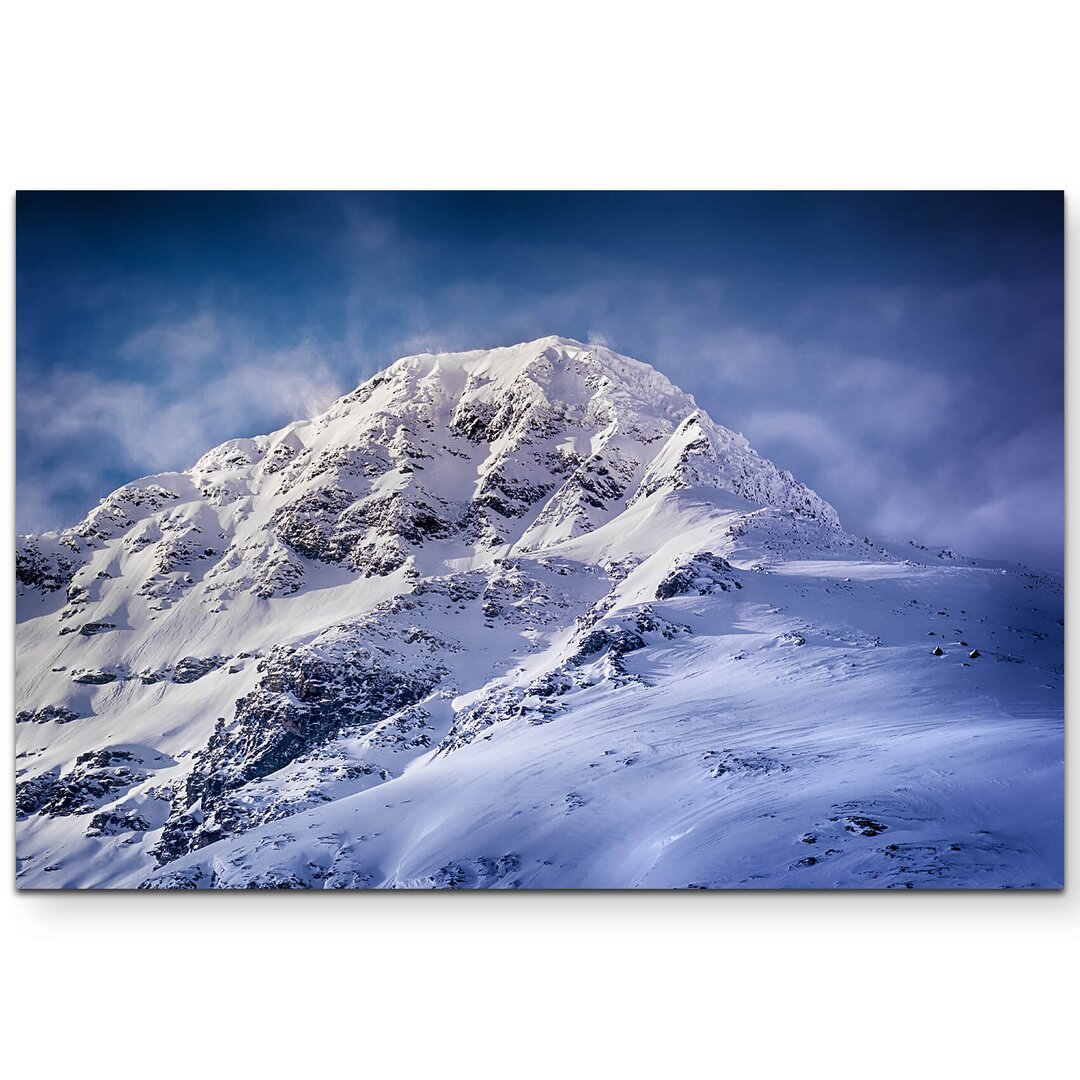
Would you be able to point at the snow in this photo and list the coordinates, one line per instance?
(447, 588)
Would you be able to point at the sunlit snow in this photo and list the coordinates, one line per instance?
(528, 618)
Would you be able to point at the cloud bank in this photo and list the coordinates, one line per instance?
(902, 355)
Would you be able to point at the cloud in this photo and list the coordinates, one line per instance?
(877, 396)
(944, 451)
(191, 341)
(808, 433)
(202, 382)
(915, 408)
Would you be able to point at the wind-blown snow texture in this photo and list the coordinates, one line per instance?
(524, 618)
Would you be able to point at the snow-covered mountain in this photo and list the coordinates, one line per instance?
(523, 617)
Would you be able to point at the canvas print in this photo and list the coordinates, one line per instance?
(539, 540)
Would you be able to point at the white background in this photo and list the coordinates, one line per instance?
(553, 94)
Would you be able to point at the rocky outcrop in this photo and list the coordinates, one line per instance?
(698, 575)
(192, 668)
(47, 714)
(94, 676)
(116, 823)
(96, 777)
(44, 571)
(347, 679)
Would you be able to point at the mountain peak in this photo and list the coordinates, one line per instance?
(415, 640)
(512, 360)
(445, 456)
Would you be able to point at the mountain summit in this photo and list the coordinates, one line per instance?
(522, 617)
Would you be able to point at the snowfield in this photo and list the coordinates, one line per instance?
(524, 618)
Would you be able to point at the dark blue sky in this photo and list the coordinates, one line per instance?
(900, 352)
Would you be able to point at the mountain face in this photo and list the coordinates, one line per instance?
(523, 617)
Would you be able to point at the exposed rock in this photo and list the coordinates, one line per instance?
(726, 763)
(192, 668)
(698, 575)
(116, 822)
(56, 714)
(863, 826)
(189, 877)
(96, 777)
(44, 571)
(613, 641)
(34, 794)
(94, 677)
(306, 696)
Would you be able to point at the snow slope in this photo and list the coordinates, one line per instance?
(524, 617)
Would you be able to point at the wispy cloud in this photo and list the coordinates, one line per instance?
(194, 340)
(209, 384)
